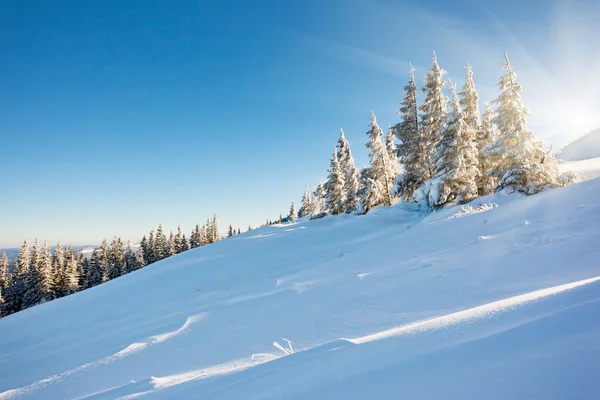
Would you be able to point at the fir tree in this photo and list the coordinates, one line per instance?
(150, 256)
(144, 246)
(95, 273)
(57, 271)
(139, 260)
(293, 213)
(179, 240)
(115, 259)
(334, 187)
(209, 233)
(4, 278)
(318, 200)
(194, 237)
(214, 229)
(171, 245)
(520, 162)
(2, 305)
(239, 231)
(305, 205)
(412, 150)
(39, 278)
(455, 161)
(160, 244)
(383, 169)
(350, 173)
(18, 281)
(486, 135)
(184, 244)
(434, 110)
(230, 231)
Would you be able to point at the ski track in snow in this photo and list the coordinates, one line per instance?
(154, 384)
(129, 350)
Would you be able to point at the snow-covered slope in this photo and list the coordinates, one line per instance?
(588, 169)
(587, 146)
(496, 301)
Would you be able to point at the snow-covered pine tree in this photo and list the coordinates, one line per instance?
(149, 255)
(434, 110)
(72, 283)
(520, 161)
(18, 281)
(139, 260)
(57, 270)
(318, 201)
(351, 184)
(202, 236)
(179, 240)
(383, 170)
(215, 229)
(293, 213)
(160, 244)
(412, 150)
(230, 231)
(4, 278)
(130, 259)
(334, 187)
(171, 245)
(115, 259)
(209, 233)
(39, 283)
(455, 162)
(486, 135)
(2, 312)
(306, 204)
(95, 274)
(184, 244)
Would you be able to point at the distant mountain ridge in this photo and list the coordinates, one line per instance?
(587, 146)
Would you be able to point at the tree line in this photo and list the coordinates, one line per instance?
(39, 274)
(443, 152)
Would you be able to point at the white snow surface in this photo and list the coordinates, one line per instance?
(499, 303)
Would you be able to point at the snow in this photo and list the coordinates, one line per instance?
(589, 169)
(498, 301)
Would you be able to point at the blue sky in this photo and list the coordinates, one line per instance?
(120, 115)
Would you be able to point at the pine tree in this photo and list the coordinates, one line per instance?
(455, 161)
(334, 187)
(486, 135)
(389, 143)
(57, 271)
(194, 237)
(150, 256)
(239, 231)
(318, 200)
(139, 260)
(39, 283)
(71, 283)
(104, 255)
(412, 150)
(184, 244)
(115, 259)
(171, 245)
(130, 259)
(348, 168)
(520, 162)
(306, 205)
(160, 244)
(4, 278)
(214, 230)
(249, 228)
(144, 246)
(209, 233)
(434, 110)
(293, 213)
(18, 281)
(2, 305)
(203, 236)
(383, 169)
(95, 274)
(230, 231)
(179, 241)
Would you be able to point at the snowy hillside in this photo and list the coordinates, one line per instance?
(500, 300)
(587, 146)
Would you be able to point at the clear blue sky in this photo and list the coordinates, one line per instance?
(118, 115)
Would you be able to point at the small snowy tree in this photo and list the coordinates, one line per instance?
(293, 213)
(434, 110)
(39, 278)
(306, 204)
(412, 150)
(520, 162)
(318, 201)
(383, 170)
(334, 187)
(351, 184)
(486, 135)
(4, 278)
(455, 161)
(18, 281)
